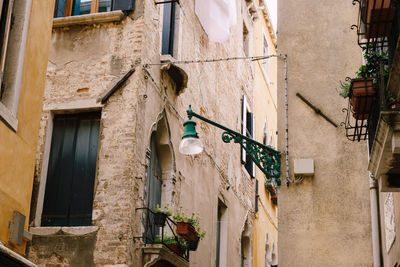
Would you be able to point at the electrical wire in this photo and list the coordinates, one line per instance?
(254, 58)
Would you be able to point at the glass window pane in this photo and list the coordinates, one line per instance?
(105, 5)
(59, 8)
(81, 7)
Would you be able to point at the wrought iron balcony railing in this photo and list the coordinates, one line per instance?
(161, 229)
(367, 98)
(377, 19)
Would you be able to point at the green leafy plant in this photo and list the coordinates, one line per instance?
(371, 69)
(194, 220)
(171, 240)
(166, 210)
(345, 88)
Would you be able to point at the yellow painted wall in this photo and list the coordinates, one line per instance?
(18, 149)
(265, 106)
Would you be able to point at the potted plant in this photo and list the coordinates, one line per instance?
(160, 215)
(378, 16)
(361, 90)
(174, 243)
(361, 98)
(189, 228)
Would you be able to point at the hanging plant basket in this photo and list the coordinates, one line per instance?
(177, 249)
(187, 231)
(378, 18)
(159, 219)
(361, 97)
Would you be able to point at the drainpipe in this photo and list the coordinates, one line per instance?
(376, 244)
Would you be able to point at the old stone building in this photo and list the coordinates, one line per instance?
(119, 81)
(324, 212)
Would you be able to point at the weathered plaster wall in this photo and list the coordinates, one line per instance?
(17, 149)
(325, 220)
(84, 60)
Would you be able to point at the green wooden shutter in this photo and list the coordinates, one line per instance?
(72, 167)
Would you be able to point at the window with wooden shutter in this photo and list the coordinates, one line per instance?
(65, 8)
(247, 130)
(154, 188)
(72, 167)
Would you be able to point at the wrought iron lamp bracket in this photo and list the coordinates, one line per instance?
(267, 159)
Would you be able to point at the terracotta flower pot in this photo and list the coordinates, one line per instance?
(378, 18)
(361, 97)
(186, 230)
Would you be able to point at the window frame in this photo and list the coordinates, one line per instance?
(168, 29)
(5, 37)
(68, 107)
(80, 116)
(9, 98)
(94, 7)
(244, 157)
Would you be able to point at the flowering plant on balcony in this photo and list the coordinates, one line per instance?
(370, 69)
(175, 243)
(160, 215)
(189, 227)
(362, 89)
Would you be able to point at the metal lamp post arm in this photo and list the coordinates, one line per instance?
(266, 158)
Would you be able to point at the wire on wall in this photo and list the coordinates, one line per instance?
(254, 58)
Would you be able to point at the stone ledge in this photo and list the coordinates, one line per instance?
(58, 230)
(88, 19)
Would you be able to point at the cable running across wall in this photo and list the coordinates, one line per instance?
(255, 58)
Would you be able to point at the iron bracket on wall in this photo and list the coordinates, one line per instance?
(267, 159)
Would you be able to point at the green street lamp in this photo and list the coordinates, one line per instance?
(267, 159)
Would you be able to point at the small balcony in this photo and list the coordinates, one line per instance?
(375, 23)
(378, 30)
(166, 242)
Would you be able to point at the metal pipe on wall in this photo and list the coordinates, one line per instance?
(376, 245)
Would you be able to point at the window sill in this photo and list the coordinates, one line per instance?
(9, 118)
(57, 230)
(89, 19)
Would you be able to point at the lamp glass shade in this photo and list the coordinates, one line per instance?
(190, 146)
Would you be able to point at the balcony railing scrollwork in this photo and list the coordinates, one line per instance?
(161, 229)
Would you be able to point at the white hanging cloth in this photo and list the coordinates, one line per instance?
(216, 17)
